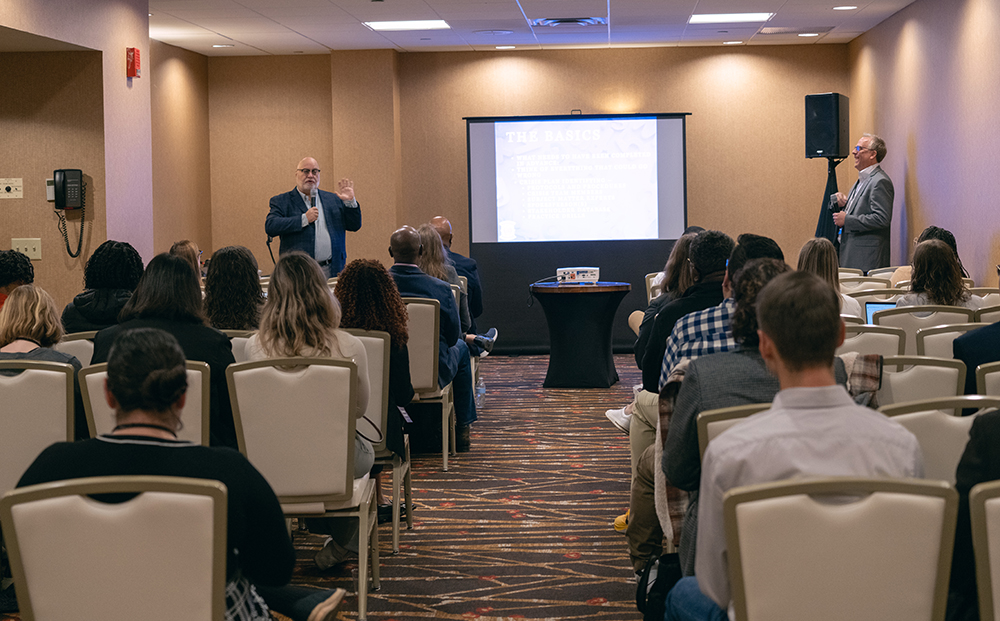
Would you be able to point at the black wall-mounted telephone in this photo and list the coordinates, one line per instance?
(68, 186)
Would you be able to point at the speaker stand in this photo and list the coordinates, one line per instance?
(825, 226)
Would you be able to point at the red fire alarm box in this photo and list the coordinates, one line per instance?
(132, 66)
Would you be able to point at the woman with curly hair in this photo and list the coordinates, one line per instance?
(302, 318)
(370, 301)
(937, 278)
(111, 275)
(819, 257)
(233, 297)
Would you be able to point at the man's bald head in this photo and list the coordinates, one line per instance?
(307, 181)
(443, 227)
(404, 245)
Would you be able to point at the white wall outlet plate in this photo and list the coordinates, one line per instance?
(31, 246)
(11, 187)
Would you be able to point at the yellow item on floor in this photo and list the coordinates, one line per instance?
(621, 522)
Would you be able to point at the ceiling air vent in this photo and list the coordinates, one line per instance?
(793, 31)
(569, 21)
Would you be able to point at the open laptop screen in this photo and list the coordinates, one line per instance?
(872, 307)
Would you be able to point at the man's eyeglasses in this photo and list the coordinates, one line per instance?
(859, 149)
(306, 171)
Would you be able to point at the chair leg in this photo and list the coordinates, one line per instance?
(452, 424)
(397, 467)
(445, 427)
(376, 580)
(407, 489)
(364, 544)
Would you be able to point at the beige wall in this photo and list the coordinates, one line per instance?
(182, 191)
(53, 119)
(265, 114)
(108, 26)
(928, 81)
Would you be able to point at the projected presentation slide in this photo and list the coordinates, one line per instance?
(577, 179)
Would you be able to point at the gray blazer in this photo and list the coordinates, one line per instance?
(864, 242)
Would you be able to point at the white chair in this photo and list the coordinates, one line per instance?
(36, 410)
(936, 341)
(652, 290)
(847, 272)
(239, 339)
(424, 325)
(840, 548)
(376, 345)
(457, 292)
(941, 430)
(984, 512)
(852, 284)
(868, 339)
(883, 272)
(991, 295)
(159, 556)
(295, 422)
(713, 422)
(912, 378)
(988, 379)
(195, 415)
(79, 344)
(912, 318)
(988, 314)
(877, 295)
(852, 320)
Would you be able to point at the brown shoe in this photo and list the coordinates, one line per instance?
(462, 440)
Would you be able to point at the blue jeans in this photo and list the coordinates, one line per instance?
(461, 386)
(686, 602)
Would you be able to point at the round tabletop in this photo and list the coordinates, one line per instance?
(599, 287)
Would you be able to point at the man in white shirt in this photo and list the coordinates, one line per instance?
(867, 211)
(813, 428)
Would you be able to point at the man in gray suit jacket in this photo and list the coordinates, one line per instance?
(867, 210)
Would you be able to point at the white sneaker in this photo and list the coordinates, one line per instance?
(620, 419)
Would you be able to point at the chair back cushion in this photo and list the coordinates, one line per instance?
(942, 438)
(296, 424)
(422, 344)
(81, 348)
(36, 410)
(912, 318)
(873, 340)
(376, 345)
(918, 382)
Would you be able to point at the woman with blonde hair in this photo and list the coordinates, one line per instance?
(29, 329)
(434, 261)
(819, 257)
(188, 250)
(302, 318)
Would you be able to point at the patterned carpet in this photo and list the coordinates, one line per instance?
(520, 527)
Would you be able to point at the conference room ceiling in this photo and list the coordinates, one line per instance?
(279, 27)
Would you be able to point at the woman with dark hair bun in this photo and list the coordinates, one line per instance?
(146, 387)
(233, 297)
(110, 277)
(168, 297)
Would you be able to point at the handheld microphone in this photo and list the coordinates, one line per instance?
(312, 203)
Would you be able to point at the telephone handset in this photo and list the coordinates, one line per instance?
(70, 193)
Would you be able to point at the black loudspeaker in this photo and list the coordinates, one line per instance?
(828, 122)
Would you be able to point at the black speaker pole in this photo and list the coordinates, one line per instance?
(825, 226)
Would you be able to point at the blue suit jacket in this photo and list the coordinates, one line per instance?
(285, 220)
(467, 267)
(975, 348)
(413, 283)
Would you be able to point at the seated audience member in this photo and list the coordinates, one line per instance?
(15, 270)
(663, 279)
(145, 386)
(818, 256)
(188, 250)
(977, 347)
(713, 381)
(302, 318)
(465, 266)
(937, 278)
(168, 298)
(29, 328)
(810, 416)
(980, 463)
(109, 279)
(905, 272)
(709, 252)
(369, 300)
(453, 352)
(678, 279)
(233, 297)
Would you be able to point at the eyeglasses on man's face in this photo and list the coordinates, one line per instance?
(308, 171)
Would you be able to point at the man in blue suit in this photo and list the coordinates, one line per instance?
(453, 353)
(314, 221)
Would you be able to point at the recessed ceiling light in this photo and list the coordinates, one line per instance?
(505, 47)
(493, 33)
(729, 18)
(808, 34)
(426, 24)
(731, 42)
(846, 7)
(223, 45)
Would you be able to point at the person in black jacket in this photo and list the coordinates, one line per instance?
(111, 275)
(168, 297)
